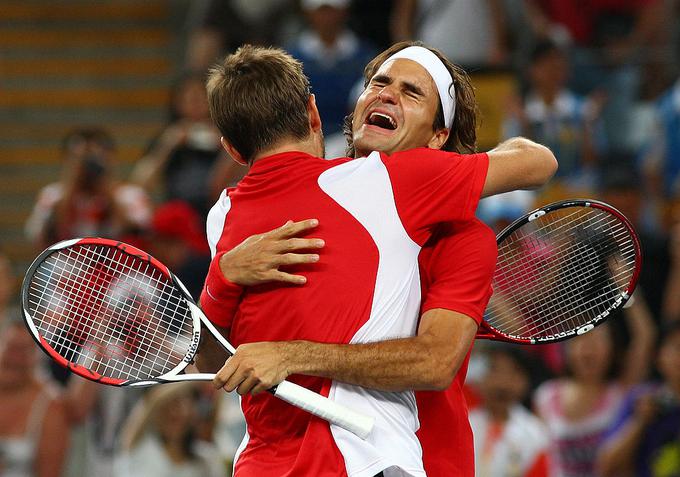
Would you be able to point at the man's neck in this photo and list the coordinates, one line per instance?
(306, 146)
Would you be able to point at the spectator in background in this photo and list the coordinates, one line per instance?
(224, 25)
(6, 287)
(565, 122)
(88, 201)
(662, 161)
(645, 439)
(187, 151)
(159, 437)
(509, 440)
(177, 239)
(621, 187)
(580, 408)
(34, 433)
(472, 33)
(608, 39)
(333, 58)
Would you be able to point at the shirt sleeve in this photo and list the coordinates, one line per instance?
(460, 269)
(432, 186)
(220, 297)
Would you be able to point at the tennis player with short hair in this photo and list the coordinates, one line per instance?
(362, 291)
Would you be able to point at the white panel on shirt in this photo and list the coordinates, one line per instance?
(363, 188)
(216, 217)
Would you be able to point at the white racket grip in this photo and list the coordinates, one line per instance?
(356, 423)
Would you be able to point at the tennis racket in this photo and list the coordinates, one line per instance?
(113, 314)
(561, 271)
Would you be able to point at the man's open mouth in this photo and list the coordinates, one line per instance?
(381, 120)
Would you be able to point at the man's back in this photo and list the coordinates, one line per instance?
(366, 287)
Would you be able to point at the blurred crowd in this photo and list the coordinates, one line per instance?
(597, 81)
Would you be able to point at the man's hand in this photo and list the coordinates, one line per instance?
(255, 367)
(257, 259)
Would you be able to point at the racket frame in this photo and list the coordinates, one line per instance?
(321, 406)
(487, 331)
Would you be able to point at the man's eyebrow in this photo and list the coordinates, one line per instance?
(381, 79)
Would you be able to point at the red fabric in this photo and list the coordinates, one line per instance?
(437, 187)
(177, 219)
(337, 299)
(540, 467)
(219, 297)
(456, 265)
(579, 16)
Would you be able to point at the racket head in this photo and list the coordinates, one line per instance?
(110, 312)
(561, 271)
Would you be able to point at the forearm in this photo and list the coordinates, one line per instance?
(618, 455)
(640, 352)
(518, 163)
(211, 356)
(394, 365)
(428, 361)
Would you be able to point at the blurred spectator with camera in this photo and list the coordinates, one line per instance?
(334, 58)
(560, 119)
(181, 160)
(161, 436)
(34, 431)
(509, 440)
(645, 439)
(88, 200)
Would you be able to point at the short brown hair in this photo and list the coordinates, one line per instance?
(463, 135)
(257, 97)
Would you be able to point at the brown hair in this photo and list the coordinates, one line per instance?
(257, 97)
(463, 135)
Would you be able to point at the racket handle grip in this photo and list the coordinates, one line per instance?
(352, 421)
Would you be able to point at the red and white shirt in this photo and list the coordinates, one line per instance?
(456, 267)
(375, 215)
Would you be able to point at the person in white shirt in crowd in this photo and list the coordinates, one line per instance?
(510, 441)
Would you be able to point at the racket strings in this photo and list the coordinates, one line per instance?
(560, 271)
(110, 312)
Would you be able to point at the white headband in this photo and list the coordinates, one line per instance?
(441, 76)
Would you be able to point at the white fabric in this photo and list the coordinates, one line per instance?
(215, 222)
(441, 76)
(462, 29)
(523, 440)
(149, 459)
(392, 447)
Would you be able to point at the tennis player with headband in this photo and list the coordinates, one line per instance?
(397, 111)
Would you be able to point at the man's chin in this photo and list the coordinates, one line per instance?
(366, 145)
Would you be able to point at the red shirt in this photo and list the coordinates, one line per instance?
(457, 266)
(375, 214)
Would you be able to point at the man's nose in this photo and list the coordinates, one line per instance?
(387, 95)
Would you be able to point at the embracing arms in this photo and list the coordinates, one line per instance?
(518, 163)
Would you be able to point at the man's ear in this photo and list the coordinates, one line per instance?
(231, 150)
(313, 113)
(439, 139)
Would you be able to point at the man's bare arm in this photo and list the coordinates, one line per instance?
(428, 361)
(211, 356)
(518, 163)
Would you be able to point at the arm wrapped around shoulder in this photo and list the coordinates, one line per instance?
(518, 163)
